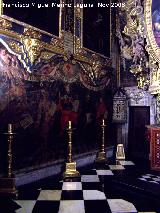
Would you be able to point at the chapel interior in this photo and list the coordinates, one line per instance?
(79, 106)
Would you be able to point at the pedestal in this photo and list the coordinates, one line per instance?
(101, 157)
(71, 171)
(8, 186)
(120, 154)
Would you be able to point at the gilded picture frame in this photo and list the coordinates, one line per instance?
(43, 48)
(153, 47)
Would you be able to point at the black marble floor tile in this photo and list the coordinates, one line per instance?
(28, 194)
(8, 205)
(91, 186)
(99, 206)
(52, 185)
(72, 195)
(102, 166)
(76, 179)
(89, 172)
(46, 207)
(105, 178)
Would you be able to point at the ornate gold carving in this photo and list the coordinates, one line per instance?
(5, 24)
(46, 55)
(1, 7)
(153, 50)
(132, 43)
(32, 48)
(131, 26)
(152, 47)
(32, 33)
(16, 47)
(58, 43)
(32, 45)
(78, 46)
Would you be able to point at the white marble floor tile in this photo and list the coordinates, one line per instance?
(71, 206)
(146, 176)
(142, 179)
(126, 163)
(153, 182)
(72, 186)
(121, 206)
(104, 172)
(50, 195)
(93, 195)
(156, 179)
(89, 178)
(116, 167)
(27, 206)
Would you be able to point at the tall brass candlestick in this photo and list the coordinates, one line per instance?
(7, 184)
(70, 132)
(101, 155)
(70, 170)
(10, 139)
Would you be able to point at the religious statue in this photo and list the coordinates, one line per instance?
(138, 50)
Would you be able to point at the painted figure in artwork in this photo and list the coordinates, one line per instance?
(68, 107)
(11, 81)
(102, 112)
(45, 117)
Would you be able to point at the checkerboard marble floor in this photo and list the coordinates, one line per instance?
(150, 178)
(77, 195)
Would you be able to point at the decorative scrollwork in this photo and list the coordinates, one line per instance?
(133, 42)
(32, 33)
(5, 24)
(15, 46)
(33, 51)
(32, 48)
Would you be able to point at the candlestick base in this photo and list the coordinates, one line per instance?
(8, 187)
(101, 157)
(71, 171)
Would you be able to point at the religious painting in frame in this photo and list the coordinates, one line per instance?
(97, 27)
(43, 15)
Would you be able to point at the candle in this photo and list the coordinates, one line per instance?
(9, 127)
(69, 125)
(103, 122)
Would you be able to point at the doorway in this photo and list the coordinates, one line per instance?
(139, 117)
